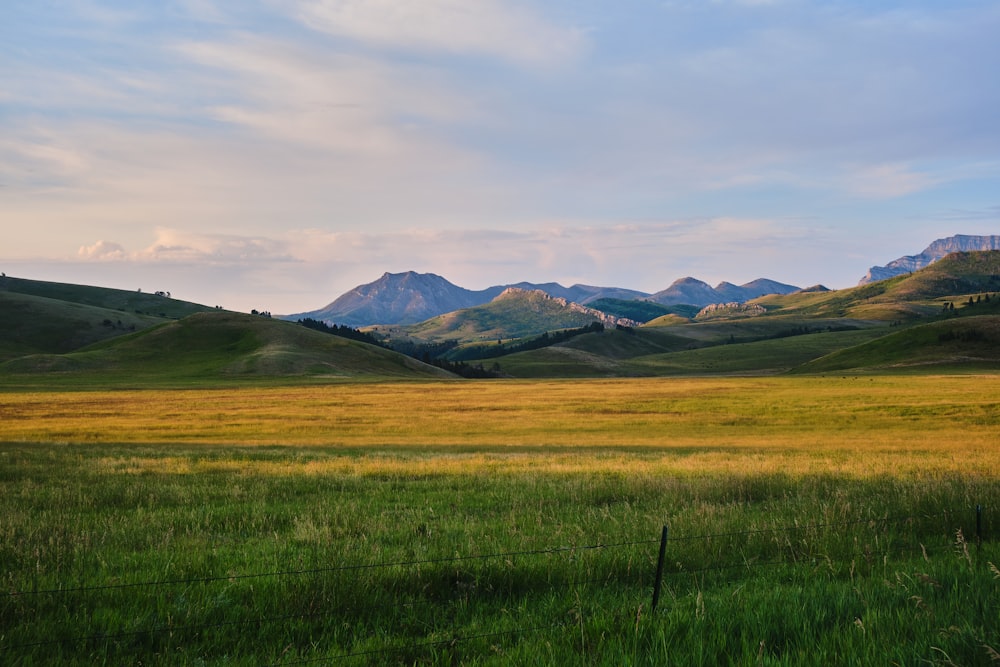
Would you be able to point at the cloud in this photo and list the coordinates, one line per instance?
(346, 104)
(302, 269)
(103, 250)
(184, 247)
(487, 139)
(496, 28)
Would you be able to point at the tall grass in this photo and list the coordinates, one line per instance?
(789, 544)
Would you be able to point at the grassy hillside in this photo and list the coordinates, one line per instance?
(641, 311)
(818, 331)
(608, 355)
(35, 324)
(141, 303)
(212, 348)
(905, 297)
(958, 273)
(91, 335)
(958, 344)
(38, 317)
(514, 314)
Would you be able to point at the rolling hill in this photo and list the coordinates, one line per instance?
(952, 345)
(808, 331)
(158, 305)
(84, 335)
(944, 317)
(212, 347)
(43, 317)
(514, 313)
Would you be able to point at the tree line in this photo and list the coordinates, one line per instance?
(414, 350)
(544, 340)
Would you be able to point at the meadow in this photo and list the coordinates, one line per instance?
(812, 521)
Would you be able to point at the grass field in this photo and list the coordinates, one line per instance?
(813, 521)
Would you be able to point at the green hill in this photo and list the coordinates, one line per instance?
(945, 317)
(905, 297)
(36, 324)
(140, 303)
(216, 347)
(641, 311)
(874, 326)
(515, 313)
(38, 317)
(950, 345)
(620, 354)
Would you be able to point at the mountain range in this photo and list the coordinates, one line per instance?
(942, 318)
(410, 297)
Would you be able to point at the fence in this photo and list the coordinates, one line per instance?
(398, 592)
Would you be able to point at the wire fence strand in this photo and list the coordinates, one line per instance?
(634, 578)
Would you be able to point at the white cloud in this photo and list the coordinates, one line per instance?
(637, 255)
(180, 246)
(103, 250)
(359, 136)
(349, 105)
(497, 28)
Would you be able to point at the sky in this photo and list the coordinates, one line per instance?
(274, 154)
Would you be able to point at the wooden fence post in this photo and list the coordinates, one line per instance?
(659, 569)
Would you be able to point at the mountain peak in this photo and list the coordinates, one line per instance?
(398, 298)
(932, 253)
(694, 292)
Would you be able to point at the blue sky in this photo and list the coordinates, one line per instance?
(274, 154)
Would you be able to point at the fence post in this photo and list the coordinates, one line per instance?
(979, 527)
(659, 569)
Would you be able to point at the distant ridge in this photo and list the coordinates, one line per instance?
(932, 253)
(514, 313)
(410, 297)
(944, 317)
(694, 292)
(399, 298)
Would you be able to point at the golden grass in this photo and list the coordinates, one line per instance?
(855, 426)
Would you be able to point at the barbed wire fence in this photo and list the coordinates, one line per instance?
(636, 566)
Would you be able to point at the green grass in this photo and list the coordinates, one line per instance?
(971, 344)
(761, 357)
(696, 349)
(812, 522)
(90, 517)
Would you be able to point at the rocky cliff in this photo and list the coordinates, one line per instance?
(932, 253)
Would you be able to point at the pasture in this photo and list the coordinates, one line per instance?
(811, 521)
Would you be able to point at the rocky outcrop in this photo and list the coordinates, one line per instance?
(602, 317)
(932, 253)
(731, 309)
